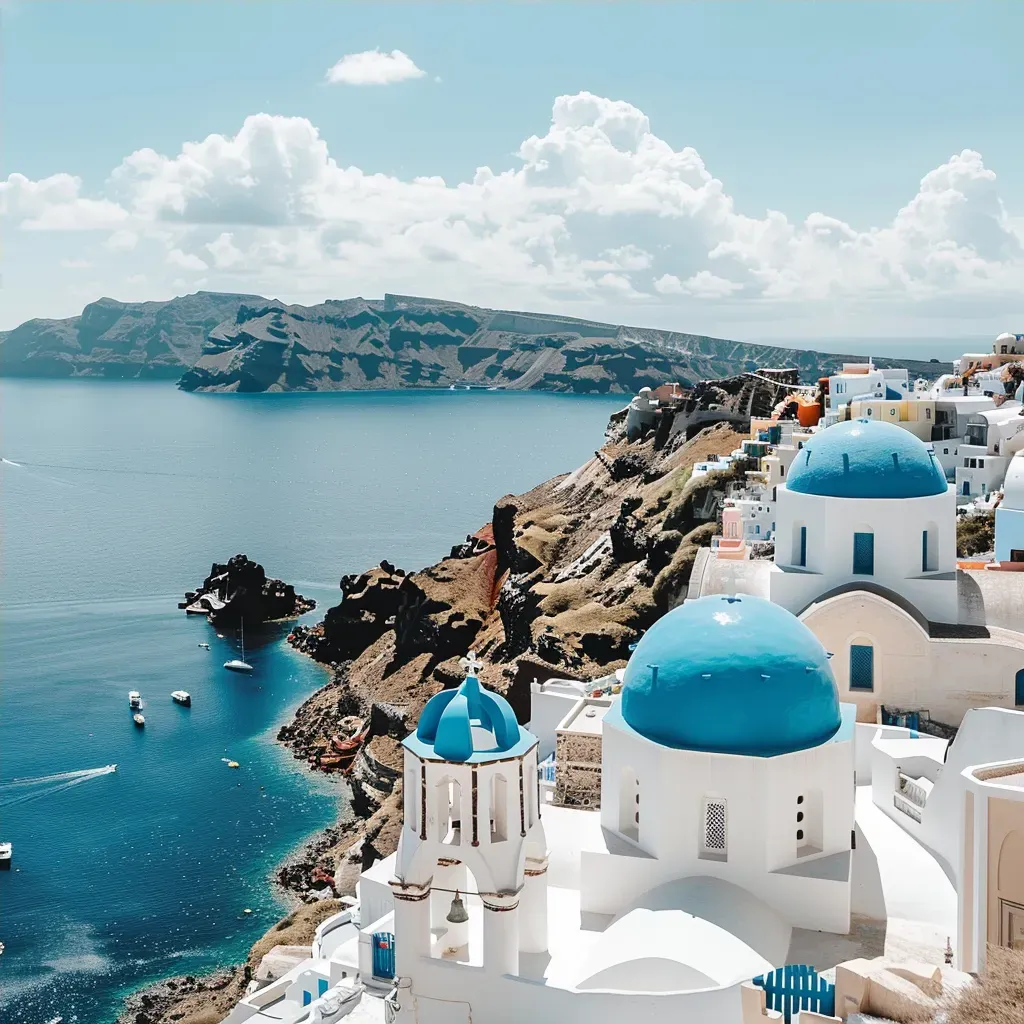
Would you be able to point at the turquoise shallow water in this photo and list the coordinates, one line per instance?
(118, 499)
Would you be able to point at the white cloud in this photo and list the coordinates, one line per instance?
(54, 204)
(374, 67)
(598, 215)
(75, 264)
(703, 285)
(185, 260)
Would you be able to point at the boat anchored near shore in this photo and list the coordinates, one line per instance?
(182, 697)
(139, 719)
(239, 664)
(134, 700)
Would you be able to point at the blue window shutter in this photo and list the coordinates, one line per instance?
(862, 667)
(1018, 698)
(863, 554)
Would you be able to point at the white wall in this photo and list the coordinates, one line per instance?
(897, 525)
(986, 734)
(912, 671)
(446, 993)
(761, 798)
(548, 707)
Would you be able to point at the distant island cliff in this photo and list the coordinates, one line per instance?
(246, 343)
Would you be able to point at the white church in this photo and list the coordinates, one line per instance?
(717, 831)
(865, 557)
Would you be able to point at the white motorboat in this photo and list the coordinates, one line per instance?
(135, 700)
(182, 697)
(139, 720)
(205, 647)
(6, 853)
(239, 664)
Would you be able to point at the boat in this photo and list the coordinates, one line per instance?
(139, 719)
(182, 697)
(135, 700)
(6, 853)
(205, 647)
(239, 664)
(233, 764)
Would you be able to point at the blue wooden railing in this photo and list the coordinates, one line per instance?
(797, 987)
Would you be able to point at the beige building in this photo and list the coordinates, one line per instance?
(913, 414)
(992, 888)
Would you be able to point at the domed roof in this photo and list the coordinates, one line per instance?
(1013, 484)
(866, 459)
(468, 724)
(731, 675)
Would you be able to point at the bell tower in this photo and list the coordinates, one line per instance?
(471, 875)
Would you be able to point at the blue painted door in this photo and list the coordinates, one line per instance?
(797, 987)
(321, 986)
(1018, 697)
(383, 955)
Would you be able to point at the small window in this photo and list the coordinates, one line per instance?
(927, 414)
(862, 667)
(1018, 697)
(799, 835)
(863, 554)
(715, 829)
(981, 463)
(782, 470)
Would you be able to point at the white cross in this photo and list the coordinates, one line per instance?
(470, 663)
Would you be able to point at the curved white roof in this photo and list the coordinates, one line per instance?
(689, 934)
(1013, 484)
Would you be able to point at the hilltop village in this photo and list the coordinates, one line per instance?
(725, 726)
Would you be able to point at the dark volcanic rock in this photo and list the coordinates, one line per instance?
(246, 343)
(240, 591)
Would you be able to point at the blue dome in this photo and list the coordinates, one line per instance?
(731, 675)
(866, 459)
(468, 724)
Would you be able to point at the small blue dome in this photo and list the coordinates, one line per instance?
(731, 675)
(866, 459)
(469, 723)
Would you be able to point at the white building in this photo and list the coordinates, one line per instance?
(1010, 518)
(862, 381)
(992, 438)
(725, 828)
(865, 555)
(866, 504)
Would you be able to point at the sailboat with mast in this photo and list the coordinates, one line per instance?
(239, 664)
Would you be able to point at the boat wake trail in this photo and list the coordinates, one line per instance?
(9, 462)
(46, 785)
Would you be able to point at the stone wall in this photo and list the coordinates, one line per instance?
(577, 770)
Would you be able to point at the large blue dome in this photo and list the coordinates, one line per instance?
(731, 675)
(866, 459)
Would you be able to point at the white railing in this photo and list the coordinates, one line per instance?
(904, 805)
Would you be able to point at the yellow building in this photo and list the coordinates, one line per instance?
(915, 415)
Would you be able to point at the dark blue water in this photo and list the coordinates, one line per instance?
(122, 496)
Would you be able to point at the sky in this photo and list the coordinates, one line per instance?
(762, 170)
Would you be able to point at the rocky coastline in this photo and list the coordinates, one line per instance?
(559, 583)
(239, 591)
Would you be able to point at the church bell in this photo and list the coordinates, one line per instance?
(457, 914)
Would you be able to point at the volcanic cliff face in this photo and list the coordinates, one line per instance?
(560, 582)
(119, 340)
(247, 343)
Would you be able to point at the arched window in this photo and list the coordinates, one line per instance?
(930, 548)
(499, 809)
(799, 544)
(448, 797)
(863, 553)
(629, 804)
(862, 666)
(714, 829)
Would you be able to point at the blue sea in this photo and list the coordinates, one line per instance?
(116, 499)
